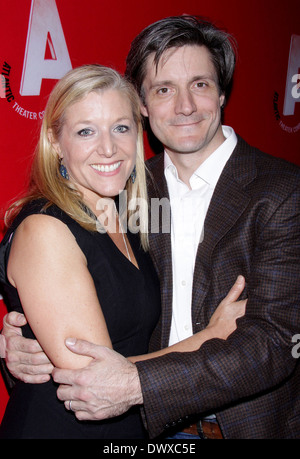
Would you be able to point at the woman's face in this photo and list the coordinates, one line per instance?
(98, 144)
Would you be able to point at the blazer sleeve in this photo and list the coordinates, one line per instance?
(257, 357)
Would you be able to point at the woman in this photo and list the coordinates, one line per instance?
(68, 275)
(61, 266)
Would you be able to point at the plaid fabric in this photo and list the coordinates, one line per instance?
(251, 380)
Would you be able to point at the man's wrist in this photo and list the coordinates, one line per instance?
(136, 394)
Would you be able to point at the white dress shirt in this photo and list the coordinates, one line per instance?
(188, 212)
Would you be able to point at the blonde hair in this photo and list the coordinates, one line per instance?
(45, 179)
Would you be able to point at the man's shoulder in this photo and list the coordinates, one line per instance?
(266, 165)
(260, 156)
(264, 177)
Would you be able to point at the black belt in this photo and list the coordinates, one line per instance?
(205, 430)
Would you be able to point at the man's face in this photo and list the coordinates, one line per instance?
(183, 101)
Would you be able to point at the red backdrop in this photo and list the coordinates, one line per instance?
(40, 38)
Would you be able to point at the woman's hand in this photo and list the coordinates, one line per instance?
(223, 320)
(221, 324)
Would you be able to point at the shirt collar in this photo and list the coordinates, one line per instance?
(211, 169)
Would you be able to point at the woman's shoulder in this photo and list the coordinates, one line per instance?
(35, 221)
(39, 207)
(41, 229)
(35, 229)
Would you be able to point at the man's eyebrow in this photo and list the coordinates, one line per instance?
(162, 83)
(159, 84)
(206, 76)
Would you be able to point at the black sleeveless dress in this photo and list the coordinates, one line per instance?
(130, 300)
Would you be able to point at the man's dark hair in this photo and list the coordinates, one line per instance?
(177, 31)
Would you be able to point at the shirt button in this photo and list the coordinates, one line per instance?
(183, 283)
(186, 327)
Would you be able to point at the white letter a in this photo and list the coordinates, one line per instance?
(292, 77)
(44, 30)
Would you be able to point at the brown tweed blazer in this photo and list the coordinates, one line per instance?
(251, 381)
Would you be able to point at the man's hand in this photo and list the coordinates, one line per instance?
(106, 388)
(24, 357)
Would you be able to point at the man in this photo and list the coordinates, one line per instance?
(243, 207)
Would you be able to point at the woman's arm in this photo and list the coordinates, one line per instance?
(56, 289)
(221, 324)
(26, 362)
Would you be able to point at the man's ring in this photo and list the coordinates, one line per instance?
(70, 405)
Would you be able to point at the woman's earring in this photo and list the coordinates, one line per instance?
(133, 175)
(63, 170)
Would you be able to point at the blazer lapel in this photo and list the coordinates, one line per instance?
(227, 204)
(160, 240)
